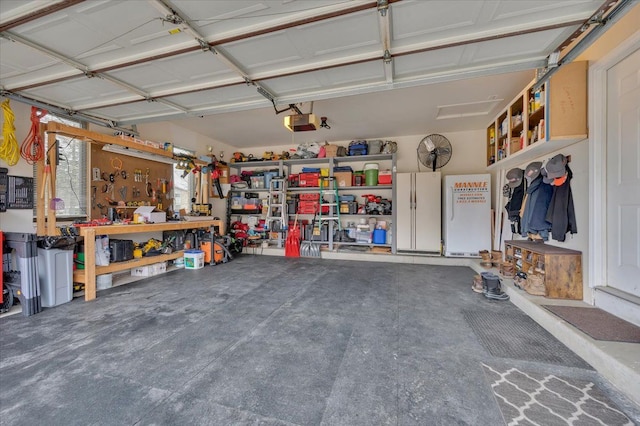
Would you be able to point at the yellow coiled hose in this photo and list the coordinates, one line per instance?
(9, 148)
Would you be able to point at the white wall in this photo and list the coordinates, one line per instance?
(468, 152)
(188, 139)
(579, 165)
(21, 220)
(18, 220)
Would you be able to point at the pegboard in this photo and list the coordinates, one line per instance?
(147, 182)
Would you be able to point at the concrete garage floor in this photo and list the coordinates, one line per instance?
(279, 341)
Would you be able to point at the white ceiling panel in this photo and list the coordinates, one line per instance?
(204, 99)
(25, 65)
(544, 10)
(188, 57)
(78, 92)
(331, 80)
(313, 44)
(98, 32)
(173, 74)
(21, 60)
(133, 110)
(224, 18)
(515, 48)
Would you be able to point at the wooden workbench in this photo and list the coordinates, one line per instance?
(90, 271)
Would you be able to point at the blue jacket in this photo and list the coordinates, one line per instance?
(535, 210)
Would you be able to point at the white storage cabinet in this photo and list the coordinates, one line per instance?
(418, 210)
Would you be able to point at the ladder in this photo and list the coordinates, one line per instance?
(333, 216)
(277, 220)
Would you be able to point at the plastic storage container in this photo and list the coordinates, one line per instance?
(371, 174)
(56, 276)
(379, 236)
(193, 259)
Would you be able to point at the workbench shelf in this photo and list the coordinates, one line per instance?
(89, 233)
(560, 267)
(79, 276)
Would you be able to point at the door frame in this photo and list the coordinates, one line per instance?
(598, 151)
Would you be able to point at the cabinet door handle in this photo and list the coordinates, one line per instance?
(451, 203)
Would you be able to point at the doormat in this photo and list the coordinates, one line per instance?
(527, 398)
(598, 324)
(517, 336)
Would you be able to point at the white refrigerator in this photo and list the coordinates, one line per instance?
(466, 215)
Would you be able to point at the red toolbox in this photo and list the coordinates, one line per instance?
(309, 179)
(313, 196)
(311, 207)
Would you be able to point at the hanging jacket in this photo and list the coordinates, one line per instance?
(561, 212)
(515, 202)
(534, 217)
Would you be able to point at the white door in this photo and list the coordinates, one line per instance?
(623, 175)
(428, 211)
(404, 211)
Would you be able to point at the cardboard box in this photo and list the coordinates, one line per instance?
(151, 215)
(142, 271)
(159, 268)
(343, 178)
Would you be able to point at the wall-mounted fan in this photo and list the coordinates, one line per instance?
(434, 151)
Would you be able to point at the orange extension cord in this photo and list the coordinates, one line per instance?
(32, 148)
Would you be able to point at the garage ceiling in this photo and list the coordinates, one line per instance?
(223, 68)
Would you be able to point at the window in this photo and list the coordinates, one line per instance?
(71, 171)
(183, 182)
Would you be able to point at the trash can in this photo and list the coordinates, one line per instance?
(55, 268)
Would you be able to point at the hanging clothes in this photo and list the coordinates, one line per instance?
(514, 204)
(535, 211)
(561, 211)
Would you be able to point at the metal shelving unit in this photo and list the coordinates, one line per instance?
(284, 168)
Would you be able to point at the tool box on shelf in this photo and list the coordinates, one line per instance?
(358, 178)
(311, 207)
(311, 234)
(176, 238)
(292, 204)
(120, 250)
(348, 207)
(358, 148)
(312, 196)
(309, 179)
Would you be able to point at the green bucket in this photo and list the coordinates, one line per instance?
(371, 174)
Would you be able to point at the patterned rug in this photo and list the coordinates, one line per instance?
(598, 324)
(527, 398)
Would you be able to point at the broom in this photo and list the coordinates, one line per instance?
(292, 245)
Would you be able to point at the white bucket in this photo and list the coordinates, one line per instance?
(104, 281)
(193, 259)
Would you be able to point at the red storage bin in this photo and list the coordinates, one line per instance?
(310, 197)
(309, 179)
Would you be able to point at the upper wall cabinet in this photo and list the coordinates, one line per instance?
(538, 122)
